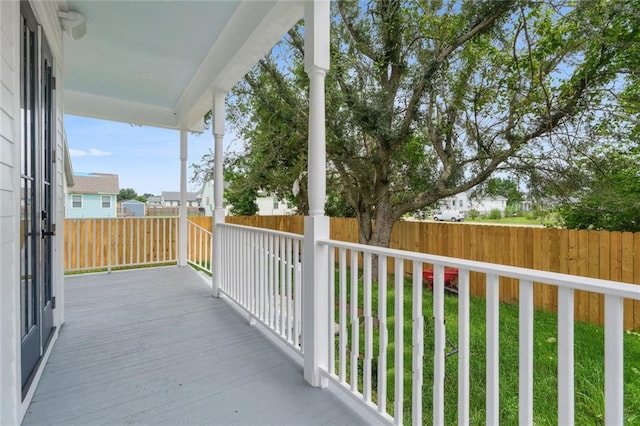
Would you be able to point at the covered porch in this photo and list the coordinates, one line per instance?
(152, 346)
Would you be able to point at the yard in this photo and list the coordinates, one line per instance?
(589, 363)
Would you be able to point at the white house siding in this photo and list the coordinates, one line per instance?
(12, 405)
(266, 206)
(9, 213)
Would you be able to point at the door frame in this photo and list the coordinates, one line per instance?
(37, 185)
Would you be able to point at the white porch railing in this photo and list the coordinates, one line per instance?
(262, 273)
(354, 368)
(199, 247)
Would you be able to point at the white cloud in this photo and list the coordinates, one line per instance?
(93, 152)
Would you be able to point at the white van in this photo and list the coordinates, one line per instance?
(452, 215)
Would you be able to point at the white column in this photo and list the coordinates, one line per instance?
(218, 187)
(182, 224)
(316, 303)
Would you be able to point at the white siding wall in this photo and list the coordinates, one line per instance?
(59, 200)
(9, 213)
(266, 207)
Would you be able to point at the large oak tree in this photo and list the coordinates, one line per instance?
(426, 99)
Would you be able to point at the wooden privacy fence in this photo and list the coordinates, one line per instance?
(98, 244)
(596, 254)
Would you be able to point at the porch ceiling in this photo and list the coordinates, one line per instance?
(158, 62)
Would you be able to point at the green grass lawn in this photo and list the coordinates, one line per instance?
(589, 363)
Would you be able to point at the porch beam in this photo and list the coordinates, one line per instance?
(182, 222)
(218, 117)
(315, 305)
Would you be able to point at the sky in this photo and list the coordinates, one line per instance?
(146, 159)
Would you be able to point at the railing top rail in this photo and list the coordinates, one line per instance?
(576, 282)
(202, 228)
(263, 230)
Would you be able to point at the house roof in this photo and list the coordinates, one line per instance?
(95, 183)
(175, 196)
(132, 202)
(159, 62)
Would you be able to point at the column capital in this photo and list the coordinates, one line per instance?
(316, 34)
(218, 112)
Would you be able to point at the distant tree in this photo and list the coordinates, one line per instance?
(238, 195)
(127, 194)
(610, 197)
(503, 187)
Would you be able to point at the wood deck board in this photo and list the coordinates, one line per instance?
(153, 347)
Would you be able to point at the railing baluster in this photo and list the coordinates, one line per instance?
(492, 330)
(281, 286)
(343, 316)
(418, 344)
(368, 327)
(298, 293)
(355, 321)
(289, 278)
(243, 255)
(332, 311)
(463, 347)
(263, 276)
(384, 333)
(255, 264)
(439, 344)
(613, 360)
(566, 400)
(525, 388)
(398, 367)
(270, 280)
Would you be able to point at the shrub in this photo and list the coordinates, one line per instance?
(495, 214)
(473, 213)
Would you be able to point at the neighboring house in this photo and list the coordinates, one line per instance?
(172, 199)
(94, 195)
(206, 198)
(463, 202)
(272, 205)
(132, 208)
(154, 201)
(268, 204)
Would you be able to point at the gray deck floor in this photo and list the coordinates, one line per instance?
(151, 346)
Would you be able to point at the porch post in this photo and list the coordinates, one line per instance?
(182, 223)
(218, 187)
(315, 307)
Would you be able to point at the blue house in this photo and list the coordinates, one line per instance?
(93, 195)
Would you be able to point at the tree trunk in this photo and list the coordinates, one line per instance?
(378, 232)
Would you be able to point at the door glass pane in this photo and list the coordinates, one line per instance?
(28, 294)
